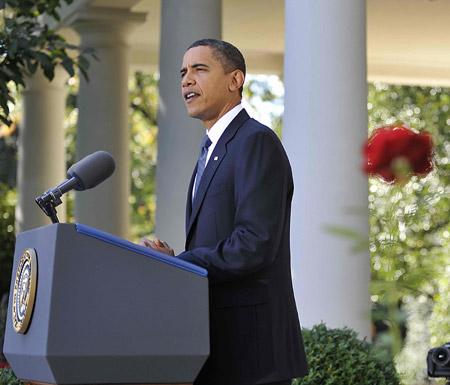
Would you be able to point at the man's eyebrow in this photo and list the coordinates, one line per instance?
(196, 65)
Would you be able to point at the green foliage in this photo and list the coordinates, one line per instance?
(143, 151)
(338, 357)
(27, 44)
(409, 224)
(8, 155)
(7, 377)
(3, 315)
(7, 237)
(70, 129)
(265, 96)
(7, 241)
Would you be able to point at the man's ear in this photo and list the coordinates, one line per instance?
(237, 80)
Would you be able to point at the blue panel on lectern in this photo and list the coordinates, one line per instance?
(123, 243)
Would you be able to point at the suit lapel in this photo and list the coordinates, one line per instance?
(189, 198)
(218, 153)
(214, 162)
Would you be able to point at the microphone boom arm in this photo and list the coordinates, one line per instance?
(49, 200)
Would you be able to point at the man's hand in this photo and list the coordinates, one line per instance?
(157, 245)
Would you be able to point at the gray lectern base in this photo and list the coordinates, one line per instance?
(107, 311)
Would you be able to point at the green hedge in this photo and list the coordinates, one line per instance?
(338, 357)
(7, 377)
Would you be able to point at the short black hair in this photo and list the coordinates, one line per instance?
(226, 53)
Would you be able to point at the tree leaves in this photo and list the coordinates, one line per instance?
(143, 90)
(26, 45)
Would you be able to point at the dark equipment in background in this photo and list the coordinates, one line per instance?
(438, 362)
(83, 175)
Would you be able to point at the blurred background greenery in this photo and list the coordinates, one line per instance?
(409, 224)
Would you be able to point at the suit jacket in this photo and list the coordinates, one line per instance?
(238, 228)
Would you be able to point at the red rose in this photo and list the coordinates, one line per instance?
(395, 153)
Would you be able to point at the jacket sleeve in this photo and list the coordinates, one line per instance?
(263, 189)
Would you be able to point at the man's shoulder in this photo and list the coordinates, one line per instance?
(254, 128)
(253, 132)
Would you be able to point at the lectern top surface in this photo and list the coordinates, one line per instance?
(123, 243)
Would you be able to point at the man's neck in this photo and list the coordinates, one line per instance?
(226, 108)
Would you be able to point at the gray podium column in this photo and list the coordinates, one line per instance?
(179, 136)
(325, 124)
(42, 156)
(103, 115)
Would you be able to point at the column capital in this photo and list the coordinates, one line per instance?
(101, 26)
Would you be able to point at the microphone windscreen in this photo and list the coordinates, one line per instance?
(92, 170)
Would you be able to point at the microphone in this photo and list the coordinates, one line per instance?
(91, 170)
(83, 175)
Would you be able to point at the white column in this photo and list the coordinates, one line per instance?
(103, 115)
(325, 124)
(179, 136)
(42, 156)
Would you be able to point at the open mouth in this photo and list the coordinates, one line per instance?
(190, 96)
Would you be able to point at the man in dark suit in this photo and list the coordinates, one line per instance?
(237, 227)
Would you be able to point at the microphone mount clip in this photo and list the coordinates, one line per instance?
(48, 202)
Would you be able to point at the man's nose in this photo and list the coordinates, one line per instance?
(187, 80)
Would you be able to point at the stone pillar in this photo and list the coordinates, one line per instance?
(325, 124)
(179, 136)
(42, 156)
(103, 115)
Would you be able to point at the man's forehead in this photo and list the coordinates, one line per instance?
(197, 55)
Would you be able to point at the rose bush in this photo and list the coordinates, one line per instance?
(394, 153)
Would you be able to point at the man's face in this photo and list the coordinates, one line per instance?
(204, 85)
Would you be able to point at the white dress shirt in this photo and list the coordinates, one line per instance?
(216, 131)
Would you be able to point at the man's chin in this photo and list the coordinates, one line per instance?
(193, 113)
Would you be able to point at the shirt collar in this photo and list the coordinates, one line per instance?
(216, 131)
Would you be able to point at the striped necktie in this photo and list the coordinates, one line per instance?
(201, 163)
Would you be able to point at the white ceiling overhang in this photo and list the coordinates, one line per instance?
(408, 41)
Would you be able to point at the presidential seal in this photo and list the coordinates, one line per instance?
(24, 291)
